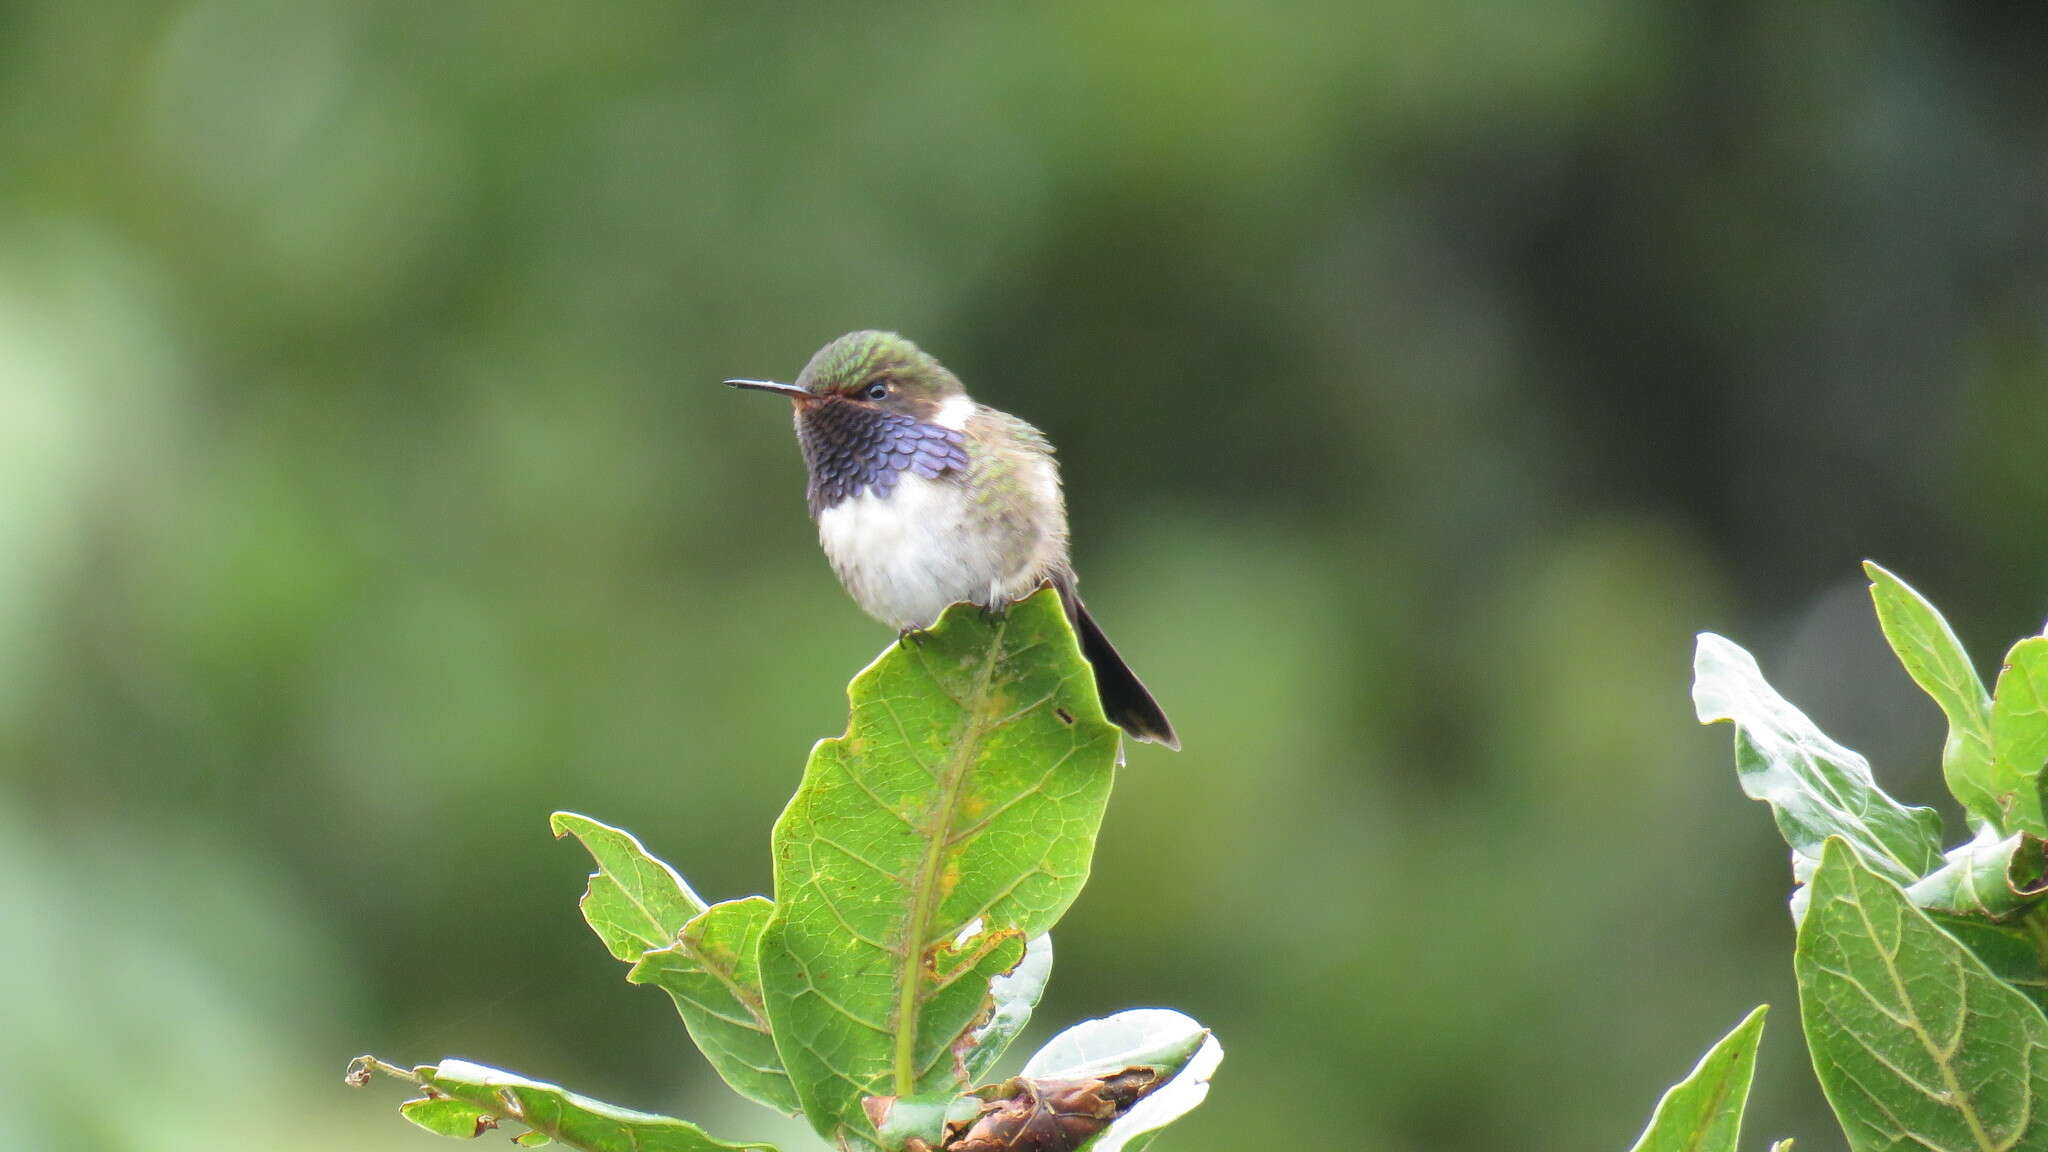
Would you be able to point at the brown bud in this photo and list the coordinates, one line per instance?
(1021, 1115)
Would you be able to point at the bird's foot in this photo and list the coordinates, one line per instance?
(995, 613)
(906, 637)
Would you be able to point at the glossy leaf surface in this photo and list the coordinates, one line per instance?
(1916, 1043)
(1815, 787)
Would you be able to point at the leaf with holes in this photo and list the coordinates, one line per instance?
(1935, 659)
(954, 822)
(1703, 1112)
(1916, 1043)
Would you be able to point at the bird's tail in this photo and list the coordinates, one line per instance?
(1124, 698)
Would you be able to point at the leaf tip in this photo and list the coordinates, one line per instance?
(1712, 654)
(1838, 852)
(1709, 646)
(1752, 1026)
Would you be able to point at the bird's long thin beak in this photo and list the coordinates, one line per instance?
(793, 391)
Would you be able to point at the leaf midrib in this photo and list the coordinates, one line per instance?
(1715, 1102)
(924, 901)
(1953, 1086)
(729, 980)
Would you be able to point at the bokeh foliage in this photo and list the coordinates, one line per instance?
(1425, 374)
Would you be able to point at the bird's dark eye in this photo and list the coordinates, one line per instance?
(877, 390)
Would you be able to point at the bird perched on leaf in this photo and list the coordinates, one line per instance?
(925, 498)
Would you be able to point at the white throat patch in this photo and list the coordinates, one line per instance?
(954, 413)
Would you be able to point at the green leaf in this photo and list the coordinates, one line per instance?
(1815, 787)
(2012, 951)
(634, 901)
(1157, 1038)
(954, 821)
(1013, 994)
(460, 1096)
(1915, 1042)
(1987, 877)
(704, 958)
(713, 973)
(1990, 896)
(1703, 1112)
(446, 1116)
(1935, 659)
(2019, 735)
(899, 1121)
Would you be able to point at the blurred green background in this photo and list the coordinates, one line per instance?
(1425, 375)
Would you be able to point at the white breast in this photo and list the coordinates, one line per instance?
(906, 557)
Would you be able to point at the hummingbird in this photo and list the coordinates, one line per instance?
(925, 498)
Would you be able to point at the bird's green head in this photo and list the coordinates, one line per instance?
(875, 369)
